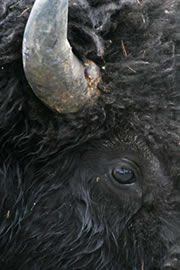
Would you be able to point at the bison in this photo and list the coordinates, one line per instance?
(89, 134)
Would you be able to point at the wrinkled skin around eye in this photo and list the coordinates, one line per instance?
(99, 161)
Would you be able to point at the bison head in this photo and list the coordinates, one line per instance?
(91, 183)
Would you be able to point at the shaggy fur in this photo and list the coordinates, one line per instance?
(58, 209)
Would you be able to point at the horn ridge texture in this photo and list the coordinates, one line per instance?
(54, 73)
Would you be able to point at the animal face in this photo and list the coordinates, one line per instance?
(106, 201)
(102, 201)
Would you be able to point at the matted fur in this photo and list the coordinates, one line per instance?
(52, 216)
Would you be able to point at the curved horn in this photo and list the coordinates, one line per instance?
(54, 73)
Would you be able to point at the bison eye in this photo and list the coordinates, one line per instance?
(125, 172)
(123, 175)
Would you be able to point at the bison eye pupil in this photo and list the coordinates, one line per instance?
(123, 175)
